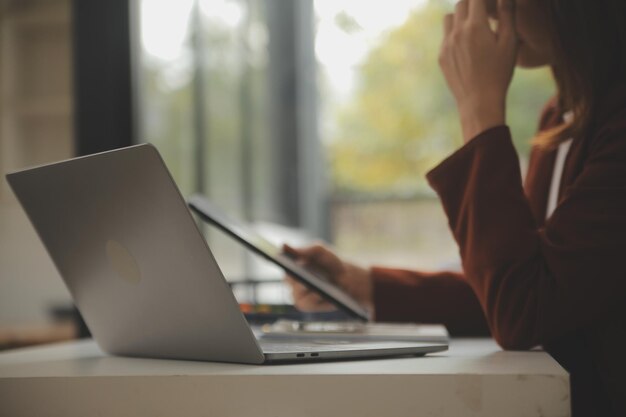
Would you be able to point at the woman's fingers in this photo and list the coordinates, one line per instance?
(478, 64)
(317, 253)
(305, 299)
(305, 253)
(460, 12)
(506, 22)
(313, 302)
(322, 262)
(298, 289)
(317, 256)
(477, 11)
(290, 250)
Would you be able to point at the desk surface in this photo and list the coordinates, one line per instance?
(474, 378)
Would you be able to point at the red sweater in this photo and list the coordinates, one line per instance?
(560, 282)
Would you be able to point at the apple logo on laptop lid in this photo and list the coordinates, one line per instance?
(123, 262)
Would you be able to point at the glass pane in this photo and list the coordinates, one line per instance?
(203, 103)
(165, 85)
(385, 118)
(388, 118)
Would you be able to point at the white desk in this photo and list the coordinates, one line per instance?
(474, 378)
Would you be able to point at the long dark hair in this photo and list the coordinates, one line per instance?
(589, 38)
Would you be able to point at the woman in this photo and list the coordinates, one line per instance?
(543, 264)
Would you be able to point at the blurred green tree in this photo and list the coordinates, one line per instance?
(402, 119)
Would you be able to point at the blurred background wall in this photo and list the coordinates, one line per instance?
(35, 128)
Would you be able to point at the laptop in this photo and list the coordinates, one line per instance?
(140, 271)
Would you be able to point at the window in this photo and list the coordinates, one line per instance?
(322, 115)
(227, 94)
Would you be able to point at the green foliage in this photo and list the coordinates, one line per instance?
(402, 120)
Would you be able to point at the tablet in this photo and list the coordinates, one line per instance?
(245, 235)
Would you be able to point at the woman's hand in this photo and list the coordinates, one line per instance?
(353, 279)
(478, 63)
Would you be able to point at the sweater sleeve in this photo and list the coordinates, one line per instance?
(536, 284)
(442, 298)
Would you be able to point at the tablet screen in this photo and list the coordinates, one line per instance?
(252, 240)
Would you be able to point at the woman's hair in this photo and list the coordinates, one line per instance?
(589, 38)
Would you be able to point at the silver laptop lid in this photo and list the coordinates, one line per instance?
(139, 270)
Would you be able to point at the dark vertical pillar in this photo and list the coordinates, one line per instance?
(313, 192)
(200, 122)
(300, 165)
(246, 109)
(103, 102)
(283, 112)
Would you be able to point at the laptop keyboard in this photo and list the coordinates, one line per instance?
(270, 346)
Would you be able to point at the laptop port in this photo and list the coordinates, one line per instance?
(300, 355)
(315, 354)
